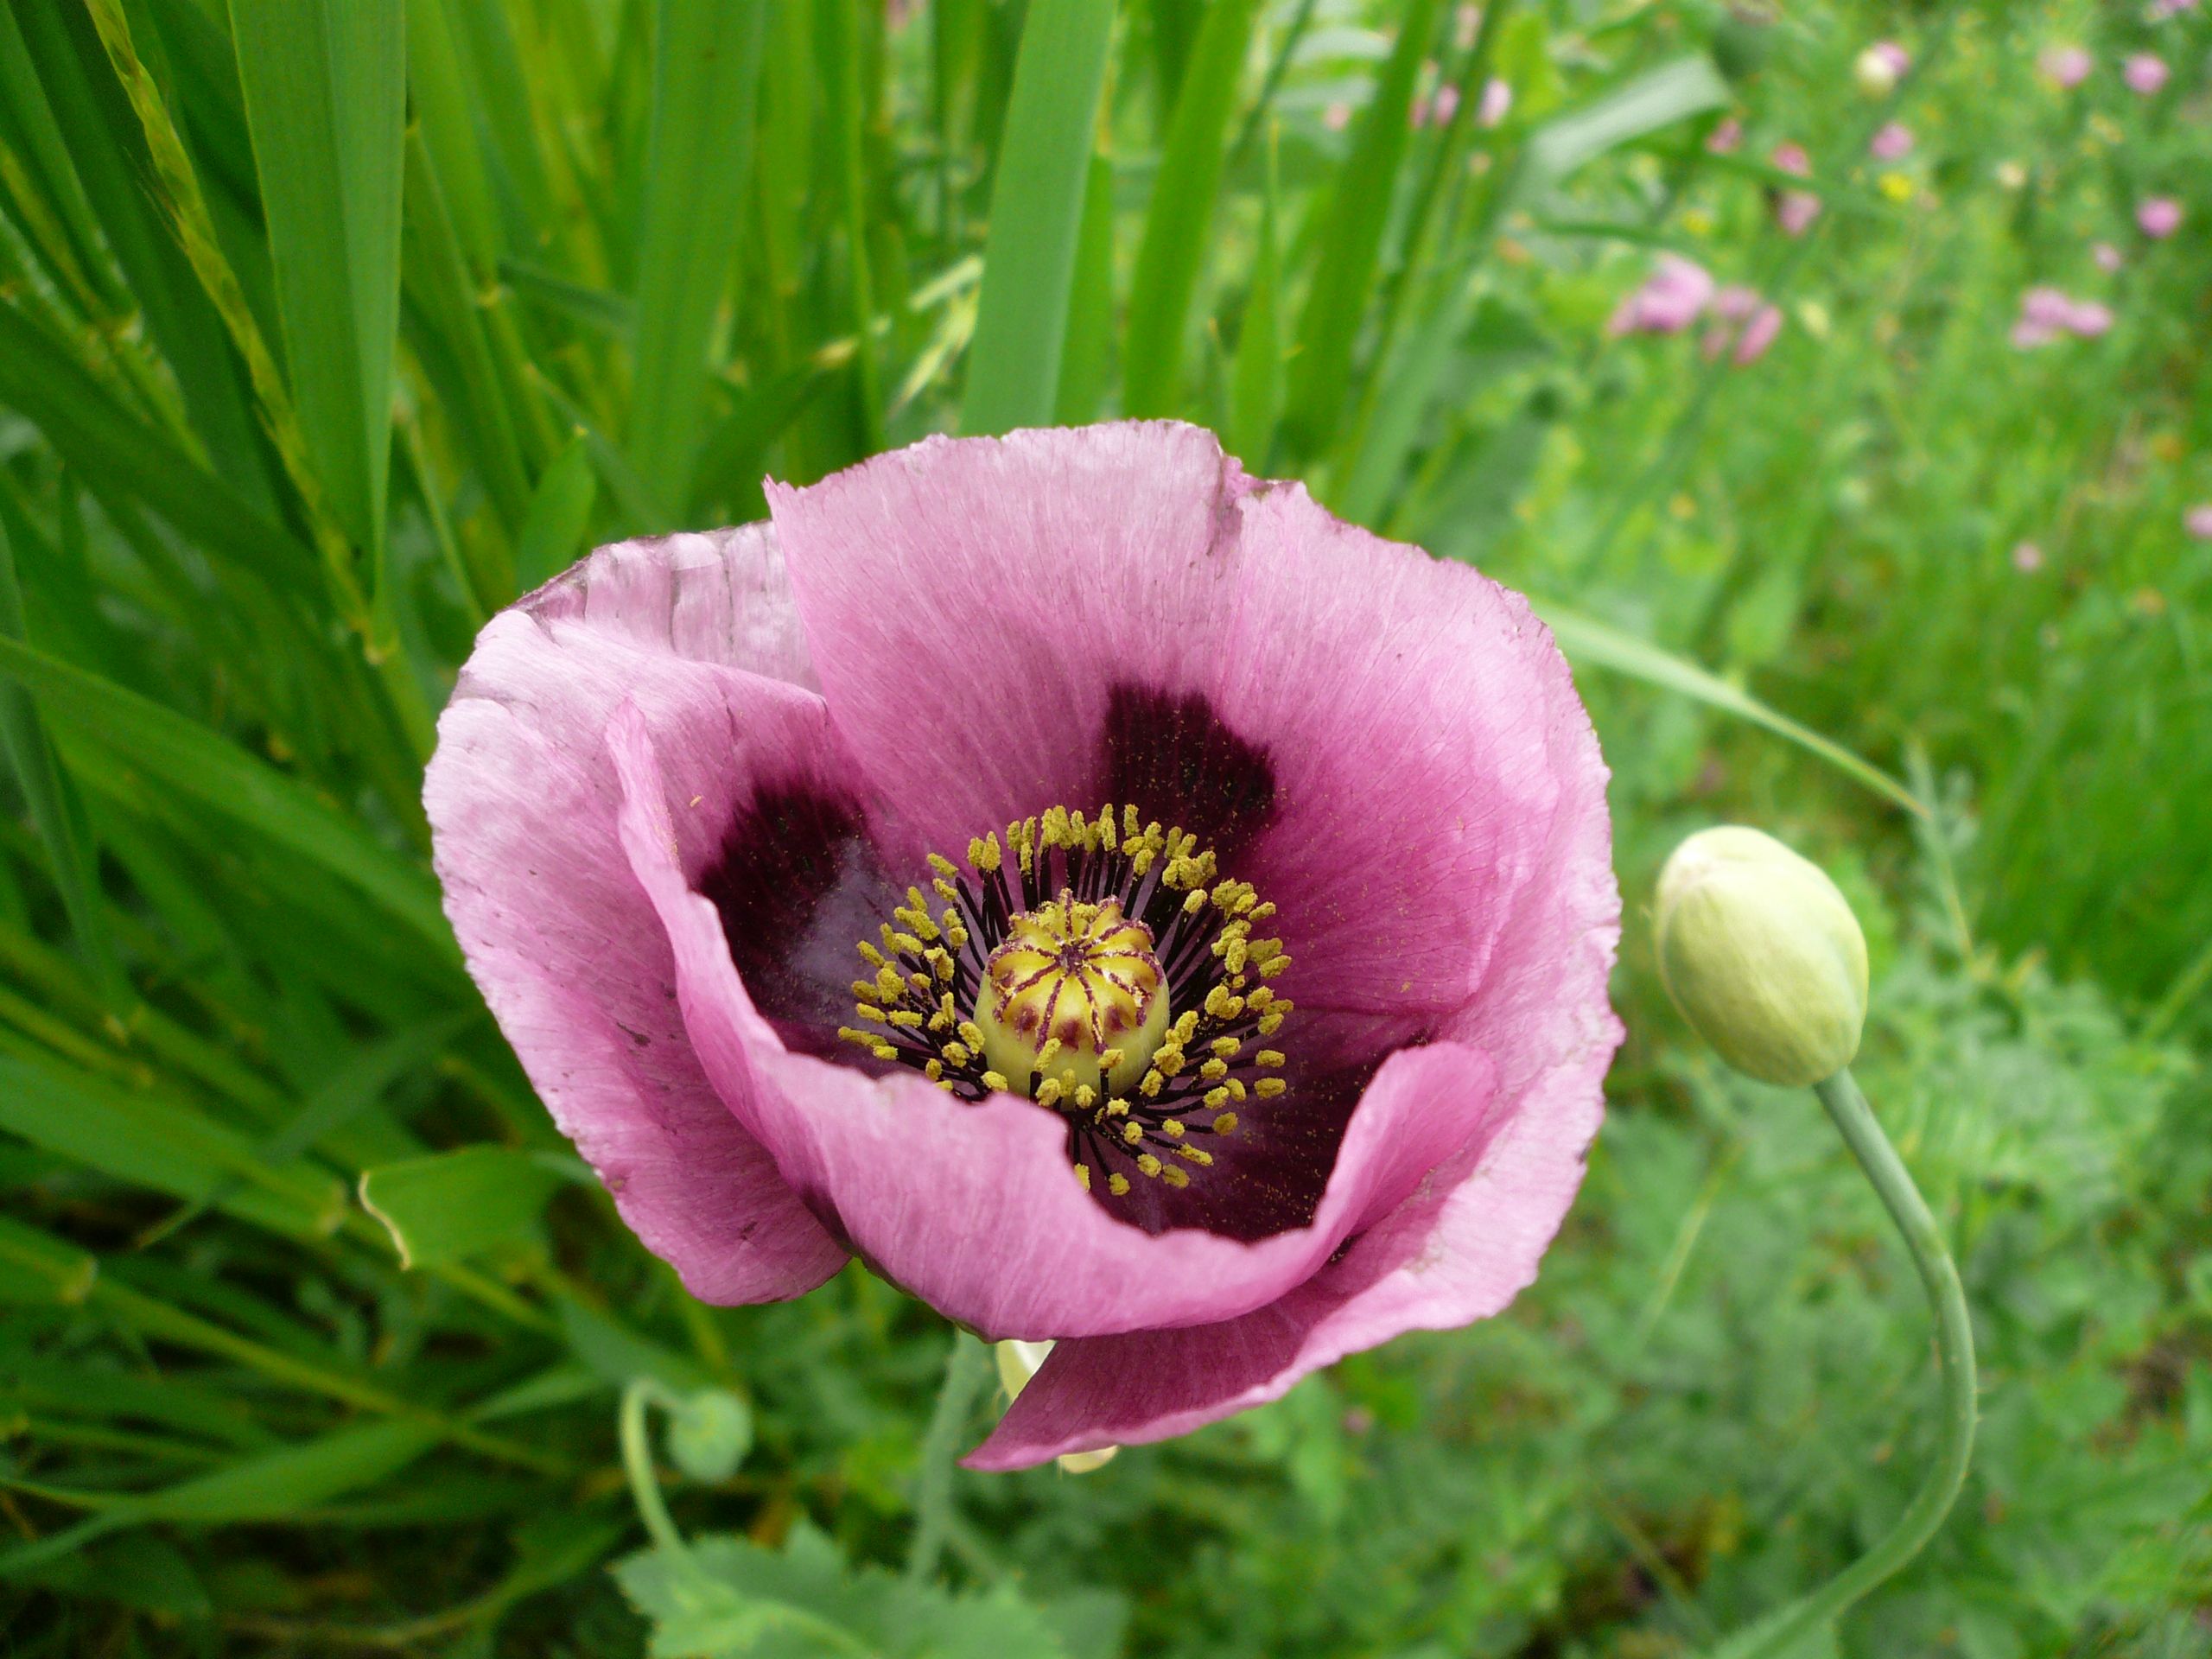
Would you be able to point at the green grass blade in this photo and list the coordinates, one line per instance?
(1585, 640)
(104, 441)
(706, 78)
(1686, 87)
(559, 518)
(55, 812)
(189, 758)
(1087, 359)
(1029, 259)
(1178, 226)
(325, 84)
(1351, 241)
(1255, 384)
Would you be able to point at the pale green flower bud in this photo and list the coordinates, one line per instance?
(1762, 955)
(1020, 1361)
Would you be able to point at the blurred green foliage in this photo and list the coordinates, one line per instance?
(326, 326)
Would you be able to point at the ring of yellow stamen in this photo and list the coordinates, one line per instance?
(1100, 965)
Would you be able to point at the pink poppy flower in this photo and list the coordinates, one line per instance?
(1744, 321)
(1727, 138)
(1892, 141)
(2159, 217)
(2197, 521)
(2047, 312)
(1795, 210)
(1337, 116)
(2027, 558)
(2145, 73)
(1495, 104)
(2161, 9)
(1670, 300)
(2065, 66)
(691, 800)
(1436, 110)
(2107, 257)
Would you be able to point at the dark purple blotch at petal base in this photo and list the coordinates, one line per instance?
(1171, 756)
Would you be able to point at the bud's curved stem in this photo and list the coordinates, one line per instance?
(964, 1368)
(637, 1462)
(1954, 1357)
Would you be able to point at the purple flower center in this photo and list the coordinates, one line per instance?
(1105, 969)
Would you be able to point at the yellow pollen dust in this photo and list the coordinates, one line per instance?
(1075, 986)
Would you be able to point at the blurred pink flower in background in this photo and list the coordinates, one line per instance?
(1725, 138)
(2161, 9)
(2159, 216)
(1495, 104)
(1893, 141)
(1670, 300)
(2198, 521)
(2069, 66)
(2047, 312)
(1337, 116)
(2027, 557)
(2107, 256)
(1438, 109)
(2145, 73)
(1879, 68)
(1469, 22)
(1795, 210)
(1744, 320)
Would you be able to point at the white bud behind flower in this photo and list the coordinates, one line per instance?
(1761, 954)
(1020, 1361)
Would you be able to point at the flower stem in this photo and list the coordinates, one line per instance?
(964, 1374)
(1955, 1359)
(637, 1460)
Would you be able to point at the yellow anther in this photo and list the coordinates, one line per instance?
(1270, 1023)
(1214, 1070)
(1198, 1155)
(1046, 1054)
(943, 864)
(1234, 957)
(1110, 1060)
(1186, 1027)
(984, 853)
(1048, 1092)
(945, 890)
(995, 1081)
(1194, 904)
(1268, 1087)
(1259, 999)
(1173, 1127)
(1222, 1005)
(866, 1039)
(1224, 1123)
(1174, 1177)
(1083, 1174)
(885, 1052)
(1151, 1085)
(1235, 1087)
(906, 942)
(890, 984)
(905, 1017)
(1118, 1185)
(933, 1069)
(1224, 1048)
(1216, 1097)
(1132, 1132)
(1085, 1097)
(939, 962)
(971, 1034)
(1169, 1061)
(1147, 1165)
(921, 982)
(870, 954)
(869, 1011)
(1275, 965)
(957, 1054)
(1267, 1058)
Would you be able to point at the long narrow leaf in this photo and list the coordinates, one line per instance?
(1013, 367)
(216, 772)
(1178, 226)
(325, 85)
(706, 78)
